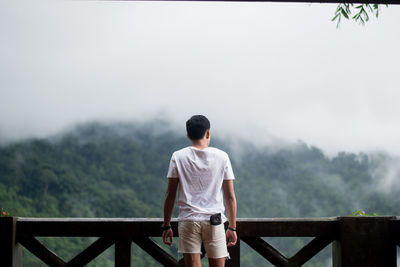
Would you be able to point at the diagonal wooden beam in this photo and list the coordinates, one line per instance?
(310, 250)
(156, 252)
(91, 252)
(266, 250)
(40, 251)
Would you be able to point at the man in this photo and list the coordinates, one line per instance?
(205, 178)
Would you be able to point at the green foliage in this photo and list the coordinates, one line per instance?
(361, 12)
(119, 170)
(362, 213)
(4, 213)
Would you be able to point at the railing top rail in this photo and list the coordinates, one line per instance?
(294, 219)
(90, 220)
(107, 227)
(104, 227)
(241, 220)
(36, 219)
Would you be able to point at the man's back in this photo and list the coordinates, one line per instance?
(201, 173)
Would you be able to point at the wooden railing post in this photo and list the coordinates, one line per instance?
(10, 250)
(364, 241)
(234, 254)
(123, 253)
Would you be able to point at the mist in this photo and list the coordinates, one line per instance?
(267, 73)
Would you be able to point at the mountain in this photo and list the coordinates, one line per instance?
(118, 170)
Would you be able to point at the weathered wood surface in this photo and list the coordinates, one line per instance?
(394, 225)
(10, 250)
(123, 227)
(282, 227)
(123, 253)
(91, 252)
(266, 250)
(357, 241)
(156, 252)
(367, 242)
(234, 253)
(42, 252)
(95, 227)
(311, 249)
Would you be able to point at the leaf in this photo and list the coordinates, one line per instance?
(345, 14)
(338, 23)
(335, 17)
(362, 22)
(366, 16)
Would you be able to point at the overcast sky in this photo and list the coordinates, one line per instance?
(268, 71)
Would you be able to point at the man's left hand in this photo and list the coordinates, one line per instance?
(231, 238)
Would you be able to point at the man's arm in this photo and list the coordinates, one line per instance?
(230, 202)
(169, 202)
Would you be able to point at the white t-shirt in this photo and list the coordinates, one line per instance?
(201, 173)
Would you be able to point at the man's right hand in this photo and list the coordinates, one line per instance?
(167, 237)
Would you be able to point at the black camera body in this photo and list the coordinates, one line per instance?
(216, 219)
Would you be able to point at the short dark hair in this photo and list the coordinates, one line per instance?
(197, 126)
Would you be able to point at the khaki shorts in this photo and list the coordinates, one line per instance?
(192, 233)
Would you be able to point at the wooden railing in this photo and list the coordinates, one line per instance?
(356, 241)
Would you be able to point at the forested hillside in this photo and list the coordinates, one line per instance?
(118, 170)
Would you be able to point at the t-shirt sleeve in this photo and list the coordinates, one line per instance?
(172, 170)
(228, 172)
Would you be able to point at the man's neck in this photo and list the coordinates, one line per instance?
(200, 145)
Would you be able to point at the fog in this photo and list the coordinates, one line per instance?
(261, 71)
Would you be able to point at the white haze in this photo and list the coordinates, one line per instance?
(265, 72)
(386, 175)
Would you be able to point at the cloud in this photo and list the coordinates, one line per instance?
(266, 71)
(386, 174)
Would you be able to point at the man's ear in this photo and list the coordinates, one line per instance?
(208, 134)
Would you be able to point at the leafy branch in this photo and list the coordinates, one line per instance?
(362, 213)
(4, 213)
(362, 12)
